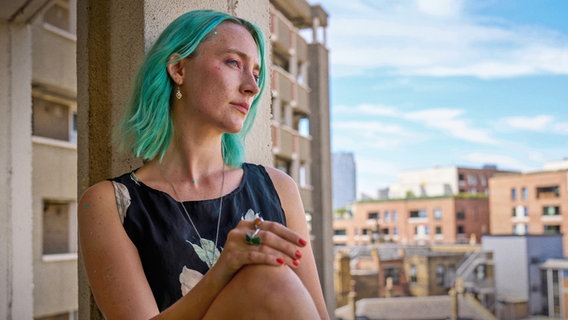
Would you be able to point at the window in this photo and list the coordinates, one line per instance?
(471, 179)
(421, 230)
(547, 192)
(392, 273)
(58, 16)
(524, 193)
(551, 229)
(56, 227)
(480, 272)
(387, 216)
(520, 229)
(438, 230)
(460, 215)
(282, 165)
(303, 175)
(304, 127)
(513, 194)
(395, 231)
(438, 213)
(51, 119)
(412, 274)
(418, 213)
(520, 211)
(373, 215)
(340, 232)
(460, 229)
(440, 272)
(483, 180)
(551, 211)
(394, 216)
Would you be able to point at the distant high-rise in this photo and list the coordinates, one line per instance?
(344, 181)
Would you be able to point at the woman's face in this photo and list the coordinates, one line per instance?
(220, 79)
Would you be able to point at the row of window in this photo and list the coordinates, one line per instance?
(472, 179)
(522, 229)
(419, 230)
(546, 192)
(413, 214)
(523, 211)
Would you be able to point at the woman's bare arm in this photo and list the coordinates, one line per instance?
(296, 220)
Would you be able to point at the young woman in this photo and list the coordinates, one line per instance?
(195, 233)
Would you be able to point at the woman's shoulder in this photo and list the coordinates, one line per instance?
(99, 191)
(283, 183)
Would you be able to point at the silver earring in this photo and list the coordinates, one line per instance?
(178, 93)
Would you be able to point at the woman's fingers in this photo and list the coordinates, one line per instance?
(263, 242)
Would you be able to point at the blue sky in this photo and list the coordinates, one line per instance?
(423, 83)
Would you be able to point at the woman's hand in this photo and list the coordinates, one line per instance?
(260, 242)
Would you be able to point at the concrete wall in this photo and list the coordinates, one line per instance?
(16, 280)
(55, 176)
(511, 266)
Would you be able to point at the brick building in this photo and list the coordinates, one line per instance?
(530, 203)
(431, 220)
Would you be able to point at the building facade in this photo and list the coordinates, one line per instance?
(554, 275)
(436, 220)
(443, 181)
(519, 285)
(344, 177)
(531, 203)
(300, 118)
(54, 162)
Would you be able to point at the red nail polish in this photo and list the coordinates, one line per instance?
(298, 254)
(296, 262)
(280, 260)
(302, 242)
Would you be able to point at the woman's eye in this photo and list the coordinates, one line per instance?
(256, 78)
(234, 63)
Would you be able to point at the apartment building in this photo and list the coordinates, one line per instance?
(530, 204)
(54, 162)
(396, 271)
(429, 220)
(443, 181)
(300, 117)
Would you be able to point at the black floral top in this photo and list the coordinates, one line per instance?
(173, 256)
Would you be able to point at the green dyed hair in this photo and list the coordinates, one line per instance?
(147, 128)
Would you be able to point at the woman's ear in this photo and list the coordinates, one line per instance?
(176, 69)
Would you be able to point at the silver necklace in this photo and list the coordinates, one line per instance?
(211, 258)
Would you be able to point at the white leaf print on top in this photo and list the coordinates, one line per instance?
(188, 279)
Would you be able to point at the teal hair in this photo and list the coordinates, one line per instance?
(147, 128)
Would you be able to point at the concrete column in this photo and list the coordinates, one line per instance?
(16, 271)
(112, 37)
(321, 169)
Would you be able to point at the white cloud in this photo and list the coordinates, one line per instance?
(437, 38)
(539, 123)
(449, 121)
(442, 8)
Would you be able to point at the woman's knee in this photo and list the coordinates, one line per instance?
(265, 290)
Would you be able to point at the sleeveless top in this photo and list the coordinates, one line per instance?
(172, 255)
